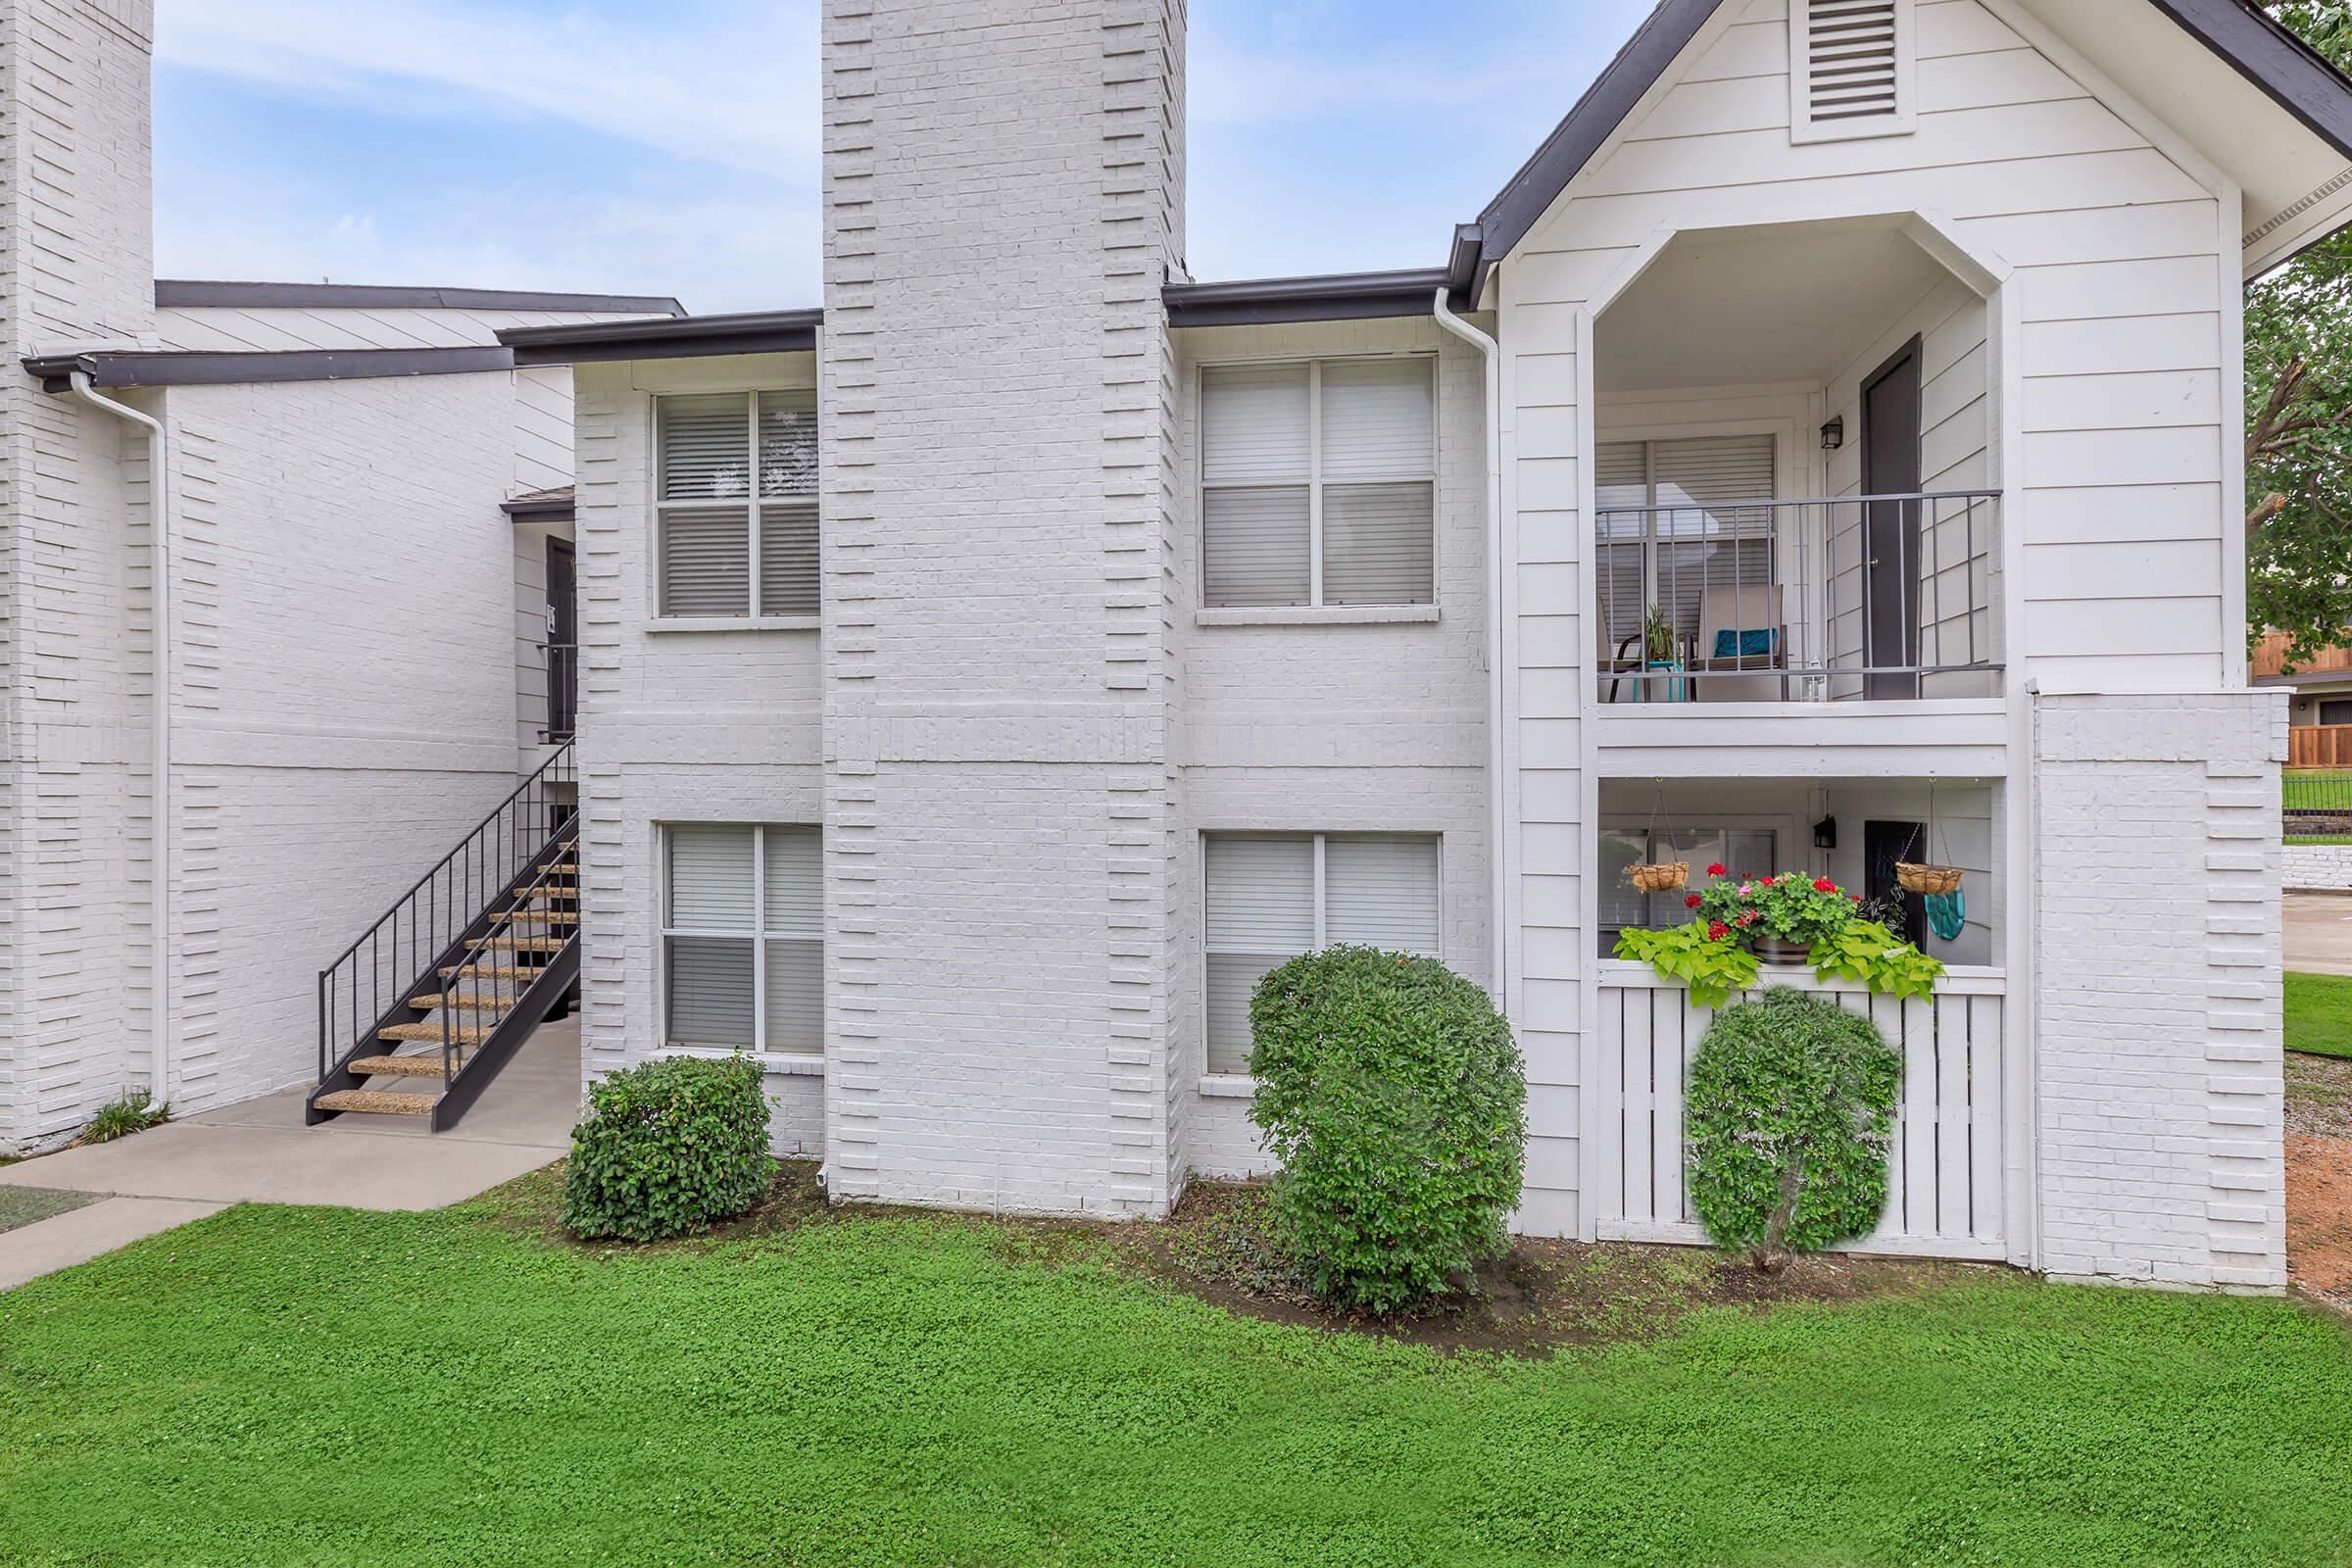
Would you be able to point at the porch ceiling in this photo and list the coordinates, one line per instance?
(1760, 305)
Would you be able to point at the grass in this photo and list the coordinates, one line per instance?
(2314, 788)
(134, 1110)
(2318, 1015)
(330, 1386)
(22, 1205)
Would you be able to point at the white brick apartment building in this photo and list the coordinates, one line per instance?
(987, 673)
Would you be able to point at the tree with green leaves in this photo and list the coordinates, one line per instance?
(2299, 414)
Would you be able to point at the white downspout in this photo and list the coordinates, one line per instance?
(158, 568)
(1491, 353)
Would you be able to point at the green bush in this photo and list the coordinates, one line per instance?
(668, 1146)
(1787, 1116)
(1391, 1090)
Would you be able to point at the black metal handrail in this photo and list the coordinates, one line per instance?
(372, 980)
(485, 981)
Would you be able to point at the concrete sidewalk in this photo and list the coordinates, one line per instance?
(260, 1152)
(2318, 932)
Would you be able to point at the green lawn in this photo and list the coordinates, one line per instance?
(2318, 1015)
(22, 1205)
(315, 1386)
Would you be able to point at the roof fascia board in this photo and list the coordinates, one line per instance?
(692, 337)
(179, 368)
(537, 509)
(1597, 120)
(2273, 58)
(222, 294)
(1272, 301)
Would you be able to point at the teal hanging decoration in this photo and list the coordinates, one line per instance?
(1948, 912)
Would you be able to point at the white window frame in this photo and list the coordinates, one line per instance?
(749, 617)
(1785, 842)
(758, 934)
(1314, 478)
(1804, 128)
(1212, 1081)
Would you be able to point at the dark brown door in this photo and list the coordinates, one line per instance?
(563, 641)
(1891, 545)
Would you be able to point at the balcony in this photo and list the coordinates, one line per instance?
(1870, 597)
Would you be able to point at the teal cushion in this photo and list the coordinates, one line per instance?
(1762, 644)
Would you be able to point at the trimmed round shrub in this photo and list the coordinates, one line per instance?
(668, 1146)
(1786, 1118)
(1392, 1093)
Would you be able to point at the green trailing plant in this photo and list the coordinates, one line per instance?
(1706, 959)
(1657, 633)
(1788, 1110)
(134, 1110)
(1390, 1091)
(667, 1147)
(1866, 954)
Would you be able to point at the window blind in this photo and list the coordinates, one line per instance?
(1710, 530)
(764, 989)
(1322, 465)
(736, 502)
(1264, 902)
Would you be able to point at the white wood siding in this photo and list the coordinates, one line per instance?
(2124, 363)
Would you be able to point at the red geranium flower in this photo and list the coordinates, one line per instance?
(1691, 903)
(1856, 896)
(1715, 870)
(1717, 931)
(1749, 918)
(1825, 885)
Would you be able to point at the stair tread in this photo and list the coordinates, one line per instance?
(523, 944)
(494, 971)
(464, 1034)
(541, 917)
(467, 998)
(429, 1066)
(390, 1101)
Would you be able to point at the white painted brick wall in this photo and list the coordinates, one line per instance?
(2160, 1096)
(1002, 185)
(2324, 867)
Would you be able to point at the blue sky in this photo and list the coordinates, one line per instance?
(672, 147)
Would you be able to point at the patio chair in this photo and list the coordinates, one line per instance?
(1743, 645)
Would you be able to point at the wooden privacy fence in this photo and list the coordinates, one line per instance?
(2320, 746)
(1945, 1182)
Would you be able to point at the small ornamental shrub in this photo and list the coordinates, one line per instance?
(668, 1146)
(1786, 1118)
(1392, 1093)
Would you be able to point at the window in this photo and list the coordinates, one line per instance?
(1677, 517)
(1318, 483)
(1741, 850)
(1271, 897)
(743, 936)
(2336, 711)
(736, 502)
(1852, 65)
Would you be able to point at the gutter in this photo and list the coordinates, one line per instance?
(1491, 353)
(159, 560)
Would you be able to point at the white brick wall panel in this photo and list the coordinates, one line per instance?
(2160, 1092)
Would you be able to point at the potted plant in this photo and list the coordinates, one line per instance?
(1657, 636)
(1779, 917)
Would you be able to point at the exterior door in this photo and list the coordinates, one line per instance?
(1891, 530)
(1883, 844)
(563, 641)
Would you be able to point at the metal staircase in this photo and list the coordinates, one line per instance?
(418, 1014)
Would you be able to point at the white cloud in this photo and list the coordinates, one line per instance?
(727, 81)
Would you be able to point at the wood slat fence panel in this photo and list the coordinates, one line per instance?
(1943, 1168)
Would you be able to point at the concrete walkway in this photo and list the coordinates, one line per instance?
(260, 1152)
(2318, 932)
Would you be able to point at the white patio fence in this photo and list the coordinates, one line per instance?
(1946, 1179)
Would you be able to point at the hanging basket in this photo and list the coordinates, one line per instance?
(1659, 878)
(1928, 879)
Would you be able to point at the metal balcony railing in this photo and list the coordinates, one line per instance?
(1840, 599)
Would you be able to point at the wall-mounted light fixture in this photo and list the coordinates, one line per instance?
(1825, 833)
(1832, 434)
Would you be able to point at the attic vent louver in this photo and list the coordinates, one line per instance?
(1851, 69)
